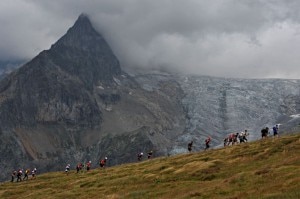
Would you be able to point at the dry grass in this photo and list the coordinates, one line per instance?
(263, 169)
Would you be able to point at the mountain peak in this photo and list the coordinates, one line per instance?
(83, 52)
(83, 15)
(82, 24)
(80, 32)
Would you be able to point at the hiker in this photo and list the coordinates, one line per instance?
(236, 136)
(150, 154)
(88, 165)
(264, 132)
(226, 141)
(13, 175)
(79, 167)
(140, 156)
(67, 169)
(19, 175)
(33, 173)
(245, 135)
(190, 145)
(231, 139)
(27, 171)
(207, 141)
(103, 162)
(275, 130)
(241, 137)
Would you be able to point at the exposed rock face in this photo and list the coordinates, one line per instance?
(56, 85)
(73, 103)
(84, 53)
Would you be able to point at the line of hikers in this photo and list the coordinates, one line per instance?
(19, 175)
(230, 139)
(234, 138)
(80, 167)
(239, 137)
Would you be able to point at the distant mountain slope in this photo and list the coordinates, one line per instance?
(263, 169)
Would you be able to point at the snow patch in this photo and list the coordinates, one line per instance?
(108, 108)
(117, 81)
(295, 116)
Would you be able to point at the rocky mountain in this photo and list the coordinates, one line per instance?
(73, 103)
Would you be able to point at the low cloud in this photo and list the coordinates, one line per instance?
(247, 39)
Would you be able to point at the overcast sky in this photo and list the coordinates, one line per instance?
(227, 38)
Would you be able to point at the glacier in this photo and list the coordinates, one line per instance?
(218, 106)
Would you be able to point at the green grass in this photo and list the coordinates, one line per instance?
(262, 169)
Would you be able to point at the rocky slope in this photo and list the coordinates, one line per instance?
(73, 103)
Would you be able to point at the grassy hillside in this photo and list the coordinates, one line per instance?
(263, 169)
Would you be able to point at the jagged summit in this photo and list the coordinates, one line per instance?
(83, 20)
(81, 32)
(84, 16)
(82, 51)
